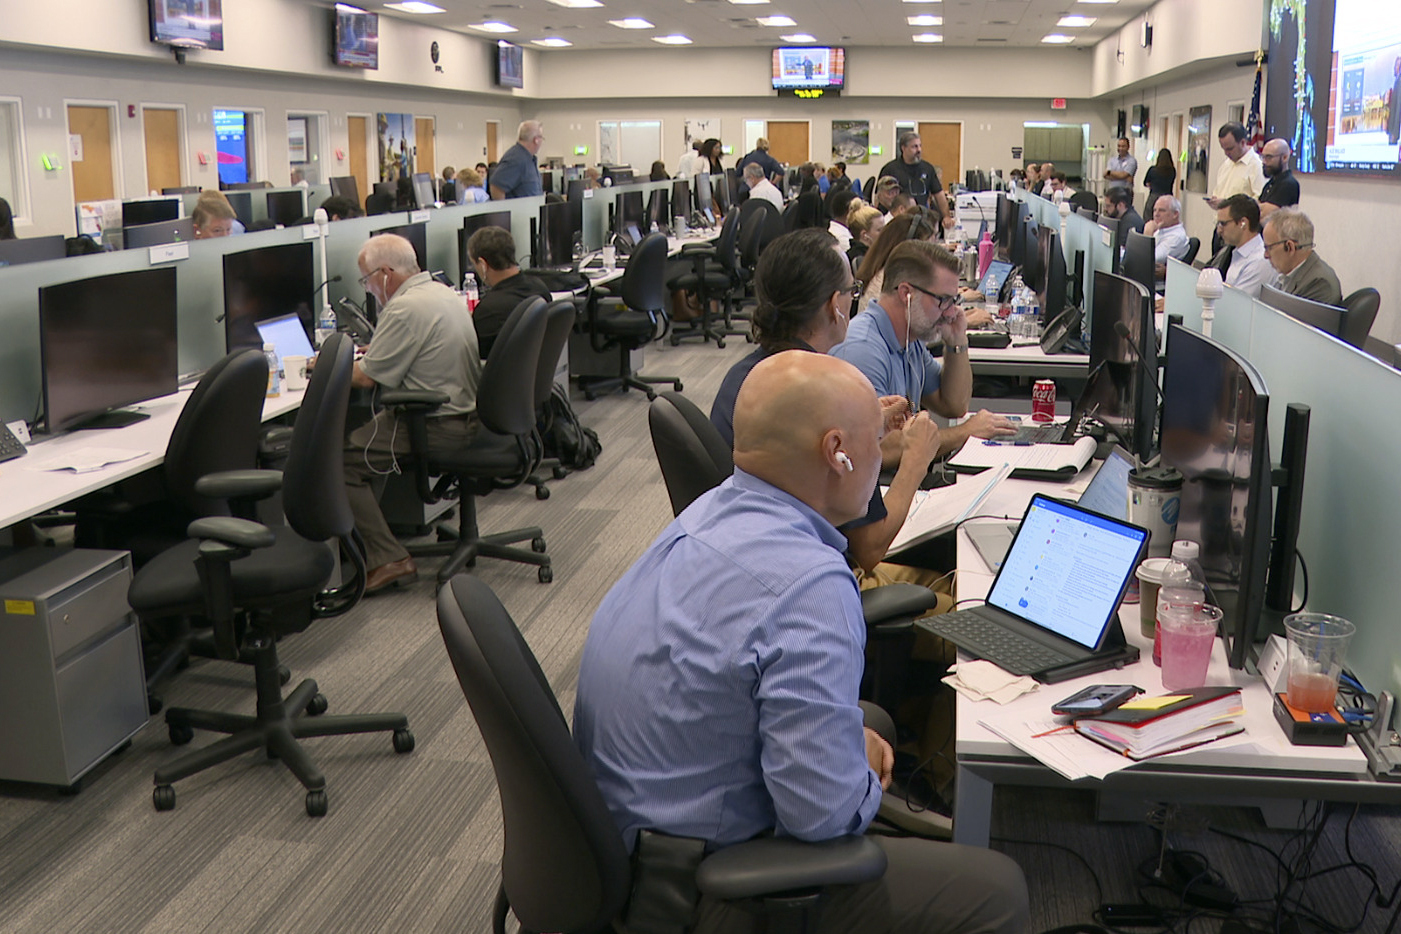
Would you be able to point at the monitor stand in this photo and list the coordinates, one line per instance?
(117, 418)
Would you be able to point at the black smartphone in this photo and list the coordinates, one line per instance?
(1095, 699)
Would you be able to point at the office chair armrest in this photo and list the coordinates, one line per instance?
(423, 400)
(238, 533)
(415, 404)
(771, 865)
(239, 484)
(895, 601)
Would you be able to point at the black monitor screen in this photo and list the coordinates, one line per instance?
(703, 192)
(423, 190)
(1137, 263)
(1024, 236)
(1006, 217)
(149, 212)
(681, 198)
(266, 283)
(32, 250)
(574, 189)
(417, 234)
(1050, 293)
(722, 187)
(628, 209)
(107, 342)
(1121, 395)
(556, 247)
(145, 235)
(286, 207)
(658, 208)
(475, 222)
(345, 186)
(242, 204)
(1215, 408)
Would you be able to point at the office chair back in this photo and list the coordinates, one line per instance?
(559, 321)
(1085, 200)
(644, 282)
(217, 430)
(727, 244)
(313, 482)
(1194, 245)
(1362, 307)
(506, 394)
(563, 865)
(691, 452)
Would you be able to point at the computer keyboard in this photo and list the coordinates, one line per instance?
(10, 446)
(1006, 649)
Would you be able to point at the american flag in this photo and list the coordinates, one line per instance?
(1254, 127)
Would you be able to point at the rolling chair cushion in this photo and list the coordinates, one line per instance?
(268, 576)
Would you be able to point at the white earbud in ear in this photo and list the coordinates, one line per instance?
(845, 461)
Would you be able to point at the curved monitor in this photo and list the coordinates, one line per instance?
(1123, 394)
(1137, 263)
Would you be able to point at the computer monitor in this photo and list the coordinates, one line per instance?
(104, 343)
(242, 204)
(1122, 393)
(266, 283)
(32, 250)
(681, 198)
(1024, 237)
(721, 186)
(629, 214)
(1215, 420)
(620, 174)
(136, 213)
(145, 235)
(658, 208)
(1006, 220)
(423, 196)
(703, 192)
(470, 225)
(1137, 263)
(286, 207)
(1051, 292)
(547, 181)
(555, 245)
(244, 186)
(345, 186)
(574, 189)
(416, 234)
(1330, 319)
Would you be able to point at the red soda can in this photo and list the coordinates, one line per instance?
(1043, 400)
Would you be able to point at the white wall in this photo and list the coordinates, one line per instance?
(1186, 34)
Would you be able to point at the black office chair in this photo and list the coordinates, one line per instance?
(715, 276)
(563, 866)
(1362, 307)
(379, 203)
(256, 584)
(757, 211)
(1194, 245)
(1085, 201)
(503, 454)
(559, 322)
(631, 318)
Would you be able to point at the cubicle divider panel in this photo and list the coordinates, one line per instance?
(597, 202)
(1083, 236)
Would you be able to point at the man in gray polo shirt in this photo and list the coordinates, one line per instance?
(1122, 167)
(424, 340)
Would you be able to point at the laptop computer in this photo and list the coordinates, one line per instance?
(1052, 611)
(287, 336)
(1107, 494)
(992, 280)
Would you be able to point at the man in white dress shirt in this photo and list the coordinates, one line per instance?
(760, 187)
(1238, 220)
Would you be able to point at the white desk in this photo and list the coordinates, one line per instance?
(29, 491)
(1257, 764)
(1028, 361)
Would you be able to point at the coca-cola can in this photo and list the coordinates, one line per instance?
(1043, 400)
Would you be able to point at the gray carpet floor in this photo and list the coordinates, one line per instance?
(411, 843)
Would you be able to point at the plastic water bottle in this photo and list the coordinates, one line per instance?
(959, 237)
(1188, 553)
(326, 325)
(469, 288)
(986, 250)
(274, 375)
(1183, 582)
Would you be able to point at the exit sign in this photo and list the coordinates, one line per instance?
(1057, 103)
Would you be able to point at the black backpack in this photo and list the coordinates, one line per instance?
(575, 446)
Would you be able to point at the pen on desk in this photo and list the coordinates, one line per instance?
(1059, 729)
(993, 443)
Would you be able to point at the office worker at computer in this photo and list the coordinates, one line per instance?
(917, 177)
(1289, 247)
(517, 175)
(1281, 187)
(492, 252)
(761, 187)
(1169, 236)
(340, 208)
(213, 216)
(717, 695)
(1118, 205)
(1238, 221)
(918, 302)
(423, 341)
(471, 189)
(838, 204)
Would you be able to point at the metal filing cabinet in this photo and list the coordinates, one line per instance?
(72, 685)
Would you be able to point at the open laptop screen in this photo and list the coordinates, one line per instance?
(994, 277)
(1108, 492)
(287, 337)
(1067, 569)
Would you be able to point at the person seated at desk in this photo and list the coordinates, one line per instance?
(838, 203)
(1238, 220)
(213, 216)
(492, 252)
(470, 187)
(1118, 205)
(918, 224)
(760, 187)
(865, 224)
(7, 221)
(1169, 236)
(1302, 272)
(340, 208)
(717, 694)
(918, 302)
(423, 341)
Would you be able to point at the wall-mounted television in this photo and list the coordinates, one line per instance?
(355, 37)
(188, 24)
(806, 67)
(510, 65)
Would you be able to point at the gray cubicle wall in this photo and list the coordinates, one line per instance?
(1078, 234)
(597, 202)
(1350, 530)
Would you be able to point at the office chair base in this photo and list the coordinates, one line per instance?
(595, 386)
(277, 726)
(465, 544)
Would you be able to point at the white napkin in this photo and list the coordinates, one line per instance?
(982, 680)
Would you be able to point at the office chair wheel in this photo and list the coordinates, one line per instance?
(720, 342)
(317, 705)
(537, 545)
(589, 395)
(651, 396)
(316, 803)
(180, 734)
(154, 704)
(542, 492)
(284, 674)
(546, 575)
(675, 340)
(559, 473)
(403, 741)
(678, 385)
(163, 798)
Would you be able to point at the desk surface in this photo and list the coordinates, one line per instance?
(29, 489)
(1027, 361)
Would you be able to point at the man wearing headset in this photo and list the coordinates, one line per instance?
(919, 303)
(717, 694)
(1289, 248)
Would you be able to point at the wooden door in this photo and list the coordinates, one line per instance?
(942, 145)
(491, 127)
(358, 131)
(424, 135)
(161, 127)
(92, 174)
(789, 142)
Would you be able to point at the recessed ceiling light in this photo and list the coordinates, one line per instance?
(927, 37)
(779, 20)
(492, 26)
(747, 2)
(798, 37)
(577, 4)
(632, 22)
(552, 42)
(921, 1)
(1056, 38)
(414, 6)
(672, 40)
(1075, 21)
(925, 19)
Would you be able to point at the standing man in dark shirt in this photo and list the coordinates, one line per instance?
(1281, 187)
(517, 175)
(917, 177)
(773, 171)
(492, 252)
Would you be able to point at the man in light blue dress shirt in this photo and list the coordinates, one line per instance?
(717, 693)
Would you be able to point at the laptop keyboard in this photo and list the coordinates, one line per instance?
(1006, 649)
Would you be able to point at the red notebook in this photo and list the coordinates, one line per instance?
(1153, 726)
